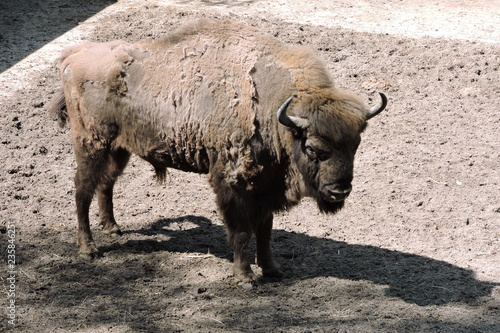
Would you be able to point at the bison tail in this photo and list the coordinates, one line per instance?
(57, 108)
(161, 174)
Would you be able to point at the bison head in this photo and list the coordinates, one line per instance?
(326, 134)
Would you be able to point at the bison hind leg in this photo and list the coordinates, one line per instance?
(97, 171)
(115, 164)
(85, 188)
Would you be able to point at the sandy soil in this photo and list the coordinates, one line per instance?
(416, 249)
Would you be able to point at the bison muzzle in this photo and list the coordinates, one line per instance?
(204, 99)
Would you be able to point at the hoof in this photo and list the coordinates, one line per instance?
(88, 251)
(115, 234)
(87, 256)
(245, 279)
(247, 285)
(114, 231)
(273, 273)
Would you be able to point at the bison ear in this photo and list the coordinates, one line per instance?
(290, 121)
(375, 110)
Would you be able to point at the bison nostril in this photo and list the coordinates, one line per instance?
(340, 189)
(338, 192)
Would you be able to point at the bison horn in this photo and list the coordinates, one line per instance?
(375, 110)
(290, 121)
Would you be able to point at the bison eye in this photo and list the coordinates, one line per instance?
(311, 153)
(317, 150)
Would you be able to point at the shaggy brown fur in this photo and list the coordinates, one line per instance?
(204, 99)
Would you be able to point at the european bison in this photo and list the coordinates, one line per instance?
(204, 99)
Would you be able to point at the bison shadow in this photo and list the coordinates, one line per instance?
(415, 279)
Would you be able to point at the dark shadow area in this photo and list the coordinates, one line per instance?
(131, 284)
(206, 237)
(415, 279)
(27, 25)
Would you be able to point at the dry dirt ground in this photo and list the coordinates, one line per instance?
(416, 249)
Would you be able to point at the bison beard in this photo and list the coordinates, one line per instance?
(328, 207)
(203, 99)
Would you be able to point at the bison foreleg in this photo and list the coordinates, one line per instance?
(239, 231)
(263, 231)
(242, 220)
(239, 241)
